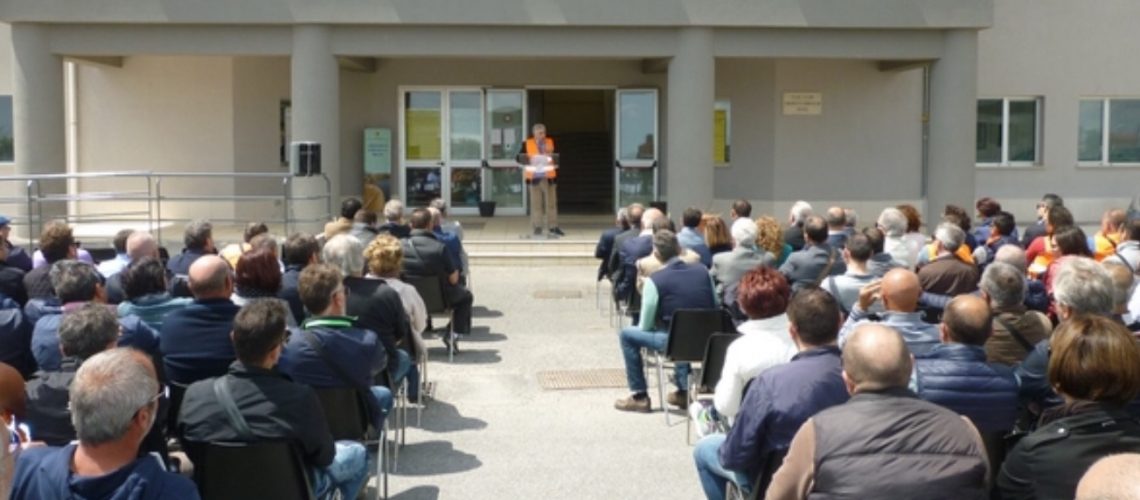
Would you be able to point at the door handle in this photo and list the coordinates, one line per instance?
(439, 163)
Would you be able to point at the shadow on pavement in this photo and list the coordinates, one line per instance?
(439, 417)
(417, 493)
(465, 356)
(483, 312)
(434, 457)
(483, 334)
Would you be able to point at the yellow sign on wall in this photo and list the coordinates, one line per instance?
(424, 134)
(720, 136)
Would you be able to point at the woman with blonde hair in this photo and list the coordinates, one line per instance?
(716, 234)
(385, 260)
(770, 237)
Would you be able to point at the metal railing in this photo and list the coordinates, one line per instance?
(52, 190)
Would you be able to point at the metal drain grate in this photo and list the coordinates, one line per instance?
(558, 294)
(557, 380)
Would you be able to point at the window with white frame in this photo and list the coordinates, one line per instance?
(1009, 131)
(1109, 132)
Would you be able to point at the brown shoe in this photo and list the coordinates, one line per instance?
(680, 399)
(630, 403)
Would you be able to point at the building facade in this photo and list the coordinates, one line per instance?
(692, 102)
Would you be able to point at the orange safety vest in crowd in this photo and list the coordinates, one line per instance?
(532, 149)
(1041, 262)
(1105, 246)
(963, 254)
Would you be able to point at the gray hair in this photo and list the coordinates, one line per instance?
(1083, 286)
(394, 210)
(1004, 284)
(440, 205)
(1012, 255)
(197, 233)
(141, 244)
(893, 222)
(87, 331)
(436, 216)
(346, 253)
(73, 280)
(665, 245)
(538, 126)
(623, 216)
(950, 236)
(649, 216)
(800, 211)
(108, 390)
(852, 216)
(1122, 280)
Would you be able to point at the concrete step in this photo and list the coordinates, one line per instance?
(546, 252)
(531, 259)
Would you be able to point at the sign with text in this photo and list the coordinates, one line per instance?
(803, 103)
(377, 151)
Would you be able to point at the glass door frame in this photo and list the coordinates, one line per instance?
(619, 163)
(445, 163)
(504, 163)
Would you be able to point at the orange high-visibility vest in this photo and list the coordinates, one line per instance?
(1105, 246)
(532, 149)
(963, 254)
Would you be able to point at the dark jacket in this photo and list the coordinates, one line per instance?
(45, 474)
(1048, 463)
(38, 284)
(47, 414)
(958, 377)
(630, 252)
(378, 308)
(426, 256)
(363, 232)
(289, 291)
(681, 286)
(19, 258)
(613, 263)
(355, 350)
(838, 241)
(16, 338)
(1032, 232)
(778, 402)
(901, 447)
(400, 231)
(45, 337)
(453, 245)
(274, 407)
(12, 283)
(1035, 387)
(805, 267)
(195, 340)
(794, 236)
(946, 275)
(604, 248)
(180, 264)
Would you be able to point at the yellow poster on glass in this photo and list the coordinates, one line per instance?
(424, 130)
(720, 136)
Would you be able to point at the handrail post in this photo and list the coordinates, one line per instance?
(158, 207)
(39, 209)
(150, 205)
(286, 201)
(329, 197)
(28, 196)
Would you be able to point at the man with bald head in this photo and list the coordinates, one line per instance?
(138, 245)
(902, 447)
(632, 250)
(955, 373)
(898, 291)
(1115, 477)
(837, 234)
(195, 340)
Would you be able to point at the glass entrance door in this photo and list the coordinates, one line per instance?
(443, 148)
(635, 172)
(506, 134)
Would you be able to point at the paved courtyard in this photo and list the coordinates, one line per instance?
(493, 432)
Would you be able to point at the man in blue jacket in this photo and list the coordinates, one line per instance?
(329, 350)
(114, 402)
(779, 400)
(195, 340)
(955, 374)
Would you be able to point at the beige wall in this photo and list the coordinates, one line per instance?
(259, 86)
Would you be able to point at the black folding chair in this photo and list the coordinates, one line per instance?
(689, 333)
(177, 392)
(268, 469)
(773, 459)
(708, 374)
(430, 289)
(346, 412)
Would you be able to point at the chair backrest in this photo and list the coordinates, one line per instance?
(773, 459)
(713, 362)
(177, 392)
(689, 332)
(269, 469)
(345, 411)
(430, 289)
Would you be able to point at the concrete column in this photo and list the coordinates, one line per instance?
(689, 115)
(953, 124)
(40, 145)
(316, 114)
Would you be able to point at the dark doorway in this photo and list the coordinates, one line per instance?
(581, 123)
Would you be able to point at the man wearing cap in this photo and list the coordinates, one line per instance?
(17, 257)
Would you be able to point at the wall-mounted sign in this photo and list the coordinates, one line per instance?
(803, 103)
(377, 151)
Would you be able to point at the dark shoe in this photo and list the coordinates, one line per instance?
(633, 404)
(680, 399)
(538, 231)
(557, 231)
(450, 340)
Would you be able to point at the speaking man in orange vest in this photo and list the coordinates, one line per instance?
(541, 179)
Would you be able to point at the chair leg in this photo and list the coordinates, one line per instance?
(661, 388)
(381, 470)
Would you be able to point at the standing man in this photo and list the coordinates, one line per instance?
(542, 182)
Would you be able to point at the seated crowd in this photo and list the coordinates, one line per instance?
(877, 363)
(105, 367)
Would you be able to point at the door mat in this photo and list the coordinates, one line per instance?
(558, 380)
